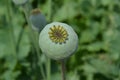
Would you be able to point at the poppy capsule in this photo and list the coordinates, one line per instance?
(38, 20)
(20, 2)
(58, 40)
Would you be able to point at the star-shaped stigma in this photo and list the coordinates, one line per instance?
(58, 34)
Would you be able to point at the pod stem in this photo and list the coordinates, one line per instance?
(33, 37)
(118, 67)
(48, 64)
(11, 28)
(48, 69)
(63, 69)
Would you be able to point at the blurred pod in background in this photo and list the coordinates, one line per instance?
(20, 2)
(37, 19)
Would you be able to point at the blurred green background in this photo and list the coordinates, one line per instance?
(97, 23)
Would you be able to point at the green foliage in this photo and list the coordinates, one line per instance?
(97, 23)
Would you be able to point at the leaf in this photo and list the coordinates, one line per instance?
(70, 76)
(24, 46)
(96, 46)
(106, 2)
(56, 76)
(88, 69)
(87, 36)
(115, 43)
(5, 43)
(66, 12)
(73, 76)
(10, 75)
(10, 62)
(116, 20)
(109, 70)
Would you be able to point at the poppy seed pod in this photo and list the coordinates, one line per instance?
(58, 40)
(38, 20)
(20, 2)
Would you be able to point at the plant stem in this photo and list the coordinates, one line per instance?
(33, 38)
(9, 18)
(63, 69)
(42, 71)
(48, 66)
(50, 10)
(32, 34)
(19, 39)
(118, 67)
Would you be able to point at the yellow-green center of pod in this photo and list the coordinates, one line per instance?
(58, 34)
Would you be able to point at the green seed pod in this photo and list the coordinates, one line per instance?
(58, 40)
(38, 20)
(20, 2)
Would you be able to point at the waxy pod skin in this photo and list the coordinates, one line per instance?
(58, 40)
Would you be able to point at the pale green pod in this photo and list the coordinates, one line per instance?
(20, 2)
(58, 40)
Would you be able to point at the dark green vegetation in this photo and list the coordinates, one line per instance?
(97, 23)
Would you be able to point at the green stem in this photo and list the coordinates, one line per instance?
(50, 10)
(42, 71)
(19, 39)
(63, 69)
(33, 38)
(48, 66)
(32, 34)
(9, 18)
(118, 67)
